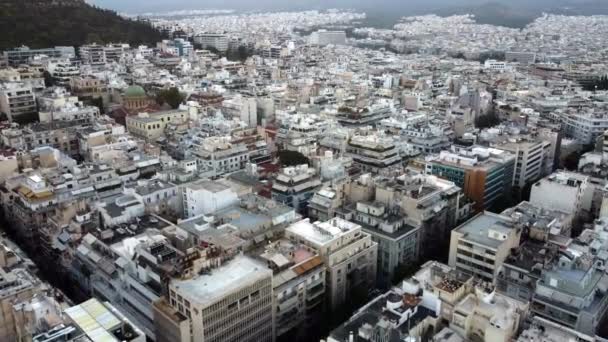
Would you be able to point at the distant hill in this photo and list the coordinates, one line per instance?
(43, 23)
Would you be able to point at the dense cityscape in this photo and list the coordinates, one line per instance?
(303, 176)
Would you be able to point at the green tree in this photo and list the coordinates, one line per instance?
(49, 80)
(170, 96)
(292, 158)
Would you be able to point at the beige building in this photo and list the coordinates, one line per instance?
(232, 302)
(152, 126)
(481, 245)
(348, 252)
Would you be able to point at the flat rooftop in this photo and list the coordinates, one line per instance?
(207, 288)
(210, 186)
(322, 232)
(477, 229)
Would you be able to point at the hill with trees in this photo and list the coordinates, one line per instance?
(46, 23)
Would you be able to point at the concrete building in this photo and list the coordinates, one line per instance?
(211, 40)
(232, 302)
(372, 153)
(533, 158)
(219, 155)
(299, 289)
(152, 126)
(349, 255)
(569, 293)
(18, 102)
(398, 242)
(484, 174)
(22, 55)
(585, 125)
(206, 198)
(481, 245)
(568, 192)
(93, 54)
(295, 186)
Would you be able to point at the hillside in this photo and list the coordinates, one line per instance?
(43, 23)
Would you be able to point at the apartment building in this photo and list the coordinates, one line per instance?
(18, 102)
(349, 255)
(295, 186)
(373, 153)
(93, 54)
(206, 198)
(299, 289)
(480, 246)
(232, 302)
(212, 40)
(569, 293)
(585, 125)
(433, 204)
(220, 156)
(567, 192)
(398, 241)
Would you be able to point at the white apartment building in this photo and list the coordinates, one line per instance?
(480, 246)
(568, 192)
(232, 302)
(583, 126)
(17, 99)
(212, 40)
(349, 255)
(93, 54)
(220, 156)
(62, 70)
(207, 197)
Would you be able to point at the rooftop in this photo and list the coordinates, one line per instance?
(234, 274)
(321, 233)
(487, 229)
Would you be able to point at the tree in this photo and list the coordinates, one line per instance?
(488, 120)
(292, 158)
(49, 80)
(571, 161)
(600, 83)
(170, 96)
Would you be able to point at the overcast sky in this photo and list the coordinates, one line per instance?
(139, 6)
